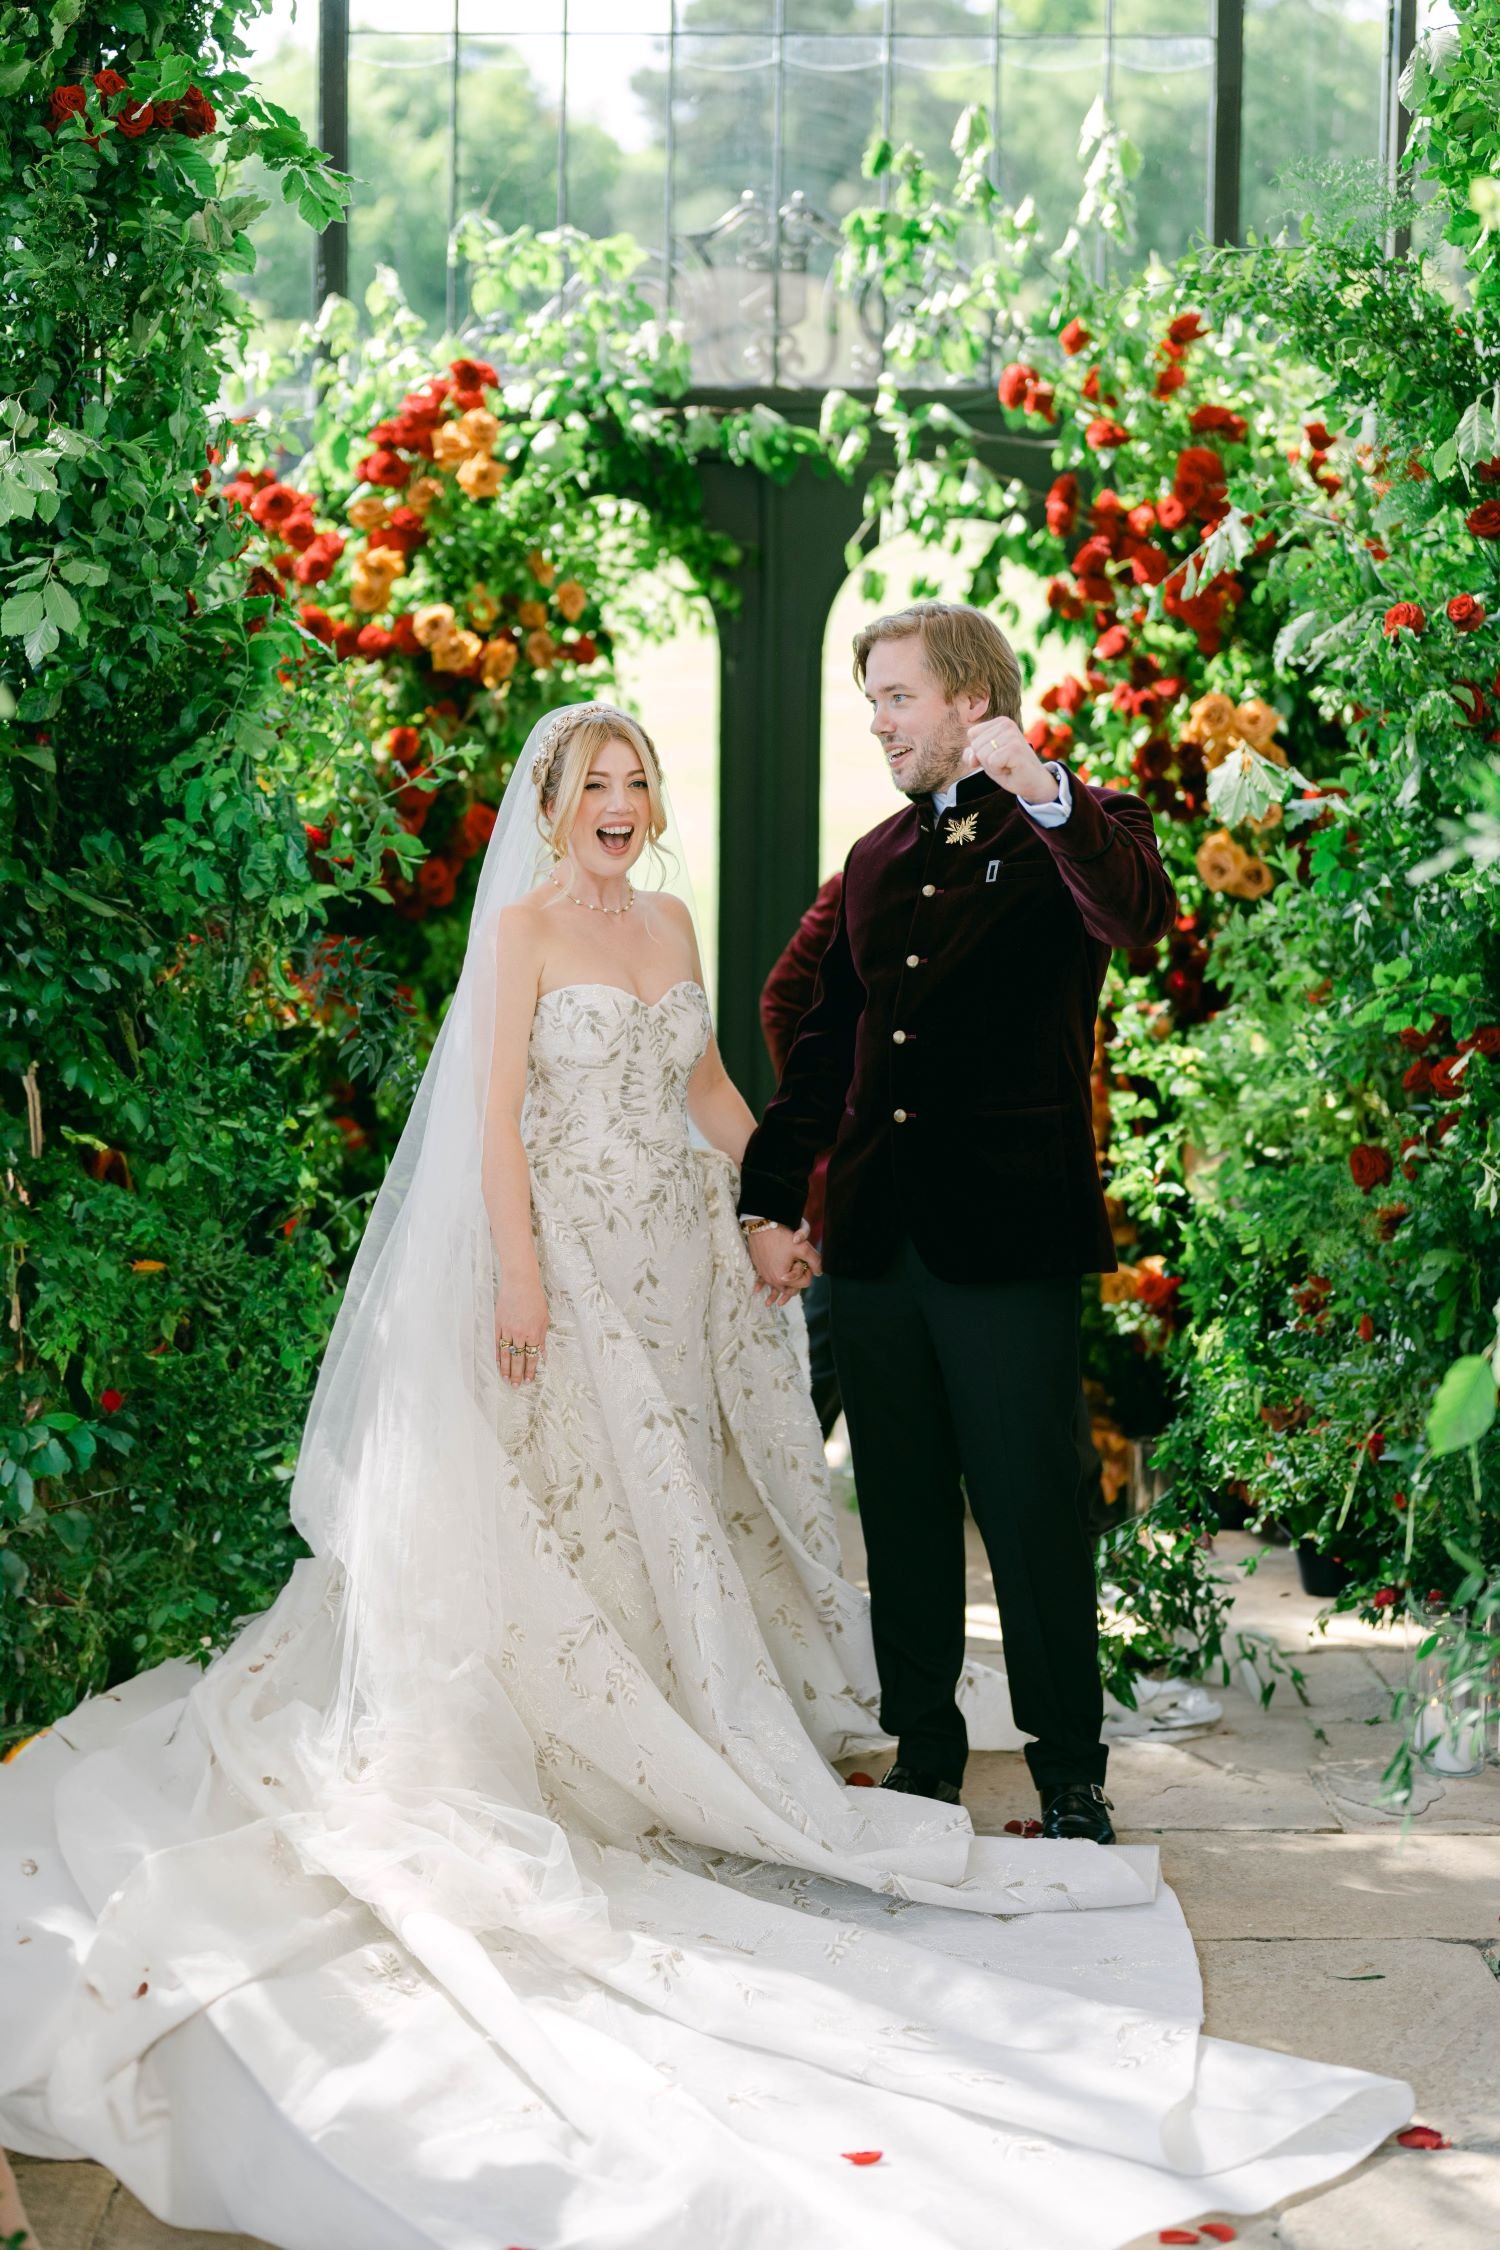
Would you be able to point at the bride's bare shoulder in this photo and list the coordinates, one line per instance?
(520, 928)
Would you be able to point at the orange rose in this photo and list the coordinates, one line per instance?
(369, 512)
(498, 661)
(571, 599)
(1256, 721)
(1253, 881)
(1211, 714)
(541, 570)
(481, 479)
(421, 493)
(532, 614)
(1219, 860)
(1217, 747)
(482, 607)
(433, 623)
(1119, 1288)
(480, 428)
(540, 650)
(450, 446)
(456, 652)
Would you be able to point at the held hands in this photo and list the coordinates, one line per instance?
(521, 1323)
(999, 748)
(784, 1262)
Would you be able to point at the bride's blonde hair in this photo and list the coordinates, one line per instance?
(569, 748)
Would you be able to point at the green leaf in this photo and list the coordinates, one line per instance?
(194, 168)
(1464, 1408)
(22, 613)
(61, 607)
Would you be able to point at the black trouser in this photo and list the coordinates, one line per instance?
(952, 1385)
(817, 1305)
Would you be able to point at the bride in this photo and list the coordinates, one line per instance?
(497, 1886)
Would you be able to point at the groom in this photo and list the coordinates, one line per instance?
(946, 1056)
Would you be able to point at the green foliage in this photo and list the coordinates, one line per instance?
(156, 1132)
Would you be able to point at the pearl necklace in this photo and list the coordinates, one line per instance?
(590, 904)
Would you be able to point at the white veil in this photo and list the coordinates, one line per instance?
(403, 1484)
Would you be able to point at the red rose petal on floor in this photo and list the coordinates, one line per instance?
(1177, 2234)
(1217, 2231)
(863, 2155)
(861, 1781)
(1015, 1828)
(1422, 2136)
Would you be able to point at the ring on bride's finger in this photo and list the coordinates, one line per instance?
(532, 1351)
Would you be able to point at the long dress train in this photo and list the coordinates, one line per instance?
(601, 1953)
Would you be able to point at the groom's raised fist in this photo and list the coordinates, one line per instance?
(999, 748)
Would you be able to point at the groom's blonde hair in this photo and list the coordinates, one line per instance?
(567, 757)
(965, 650)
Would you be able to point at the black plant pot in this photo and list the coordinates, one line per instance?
(1320, 1574)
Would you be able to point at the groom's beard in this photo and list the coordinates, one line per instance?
(936, 760)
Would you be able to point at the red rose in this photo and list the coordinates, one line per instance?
(404, 634)
(1389, 1217)
(1041, 399)
(298, 531)
(1141, 520)
(405, 746)
(318, 622)
(1417, 1079)
(375, 641)
(1171, 512)
(1232, 426)
(1103, 435)
(1069, 695)
(1170, 379)
(134, 119)
(1415, 1042)
(346, 639)
(470, 374)
(1487, 1039)
(1062, 506)
(1485, 520)
(1375, 1444)
(1075, 338)
(1112, 644)
(110, 1402)
(583, 650)
(1386, 1598)
(1014, 382)
(1404, 617)
(1447, 1078)
(64, 102)
(437, 882)
(262, 583)
(382, 467)
(276, 504)
(1366, 1329)
(478, 824)
(1369, 1167)
(317, 560)
(1061, 599)
(109, 82)
(1466, 613)
(1091, 558)
(1317, 435)
(1186, 328)
(317, 838)
(1149, 565)
(1159, 1292)
(194, 115)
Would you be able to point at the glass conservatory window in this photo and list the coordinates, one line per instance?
(727, 136)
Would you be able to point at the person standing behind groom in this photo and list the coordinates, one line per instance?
(946, 1056)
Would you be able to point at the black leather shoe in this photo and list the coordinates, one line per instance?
(1078, 1812)
(911, 1783)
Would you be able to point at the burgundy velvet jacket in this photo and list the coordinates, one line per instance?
(789, 992)
(947, 1052)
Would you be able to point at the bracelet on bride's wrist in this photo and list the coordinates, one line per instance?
(756, 1226)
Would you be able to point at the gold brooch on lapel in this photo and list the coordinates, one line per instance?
(964, 831)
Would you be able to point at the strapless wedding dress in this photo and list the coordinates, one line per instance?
(735, 2003)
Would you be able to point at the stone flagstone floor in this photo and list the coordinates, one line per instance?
(1325, 1926)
